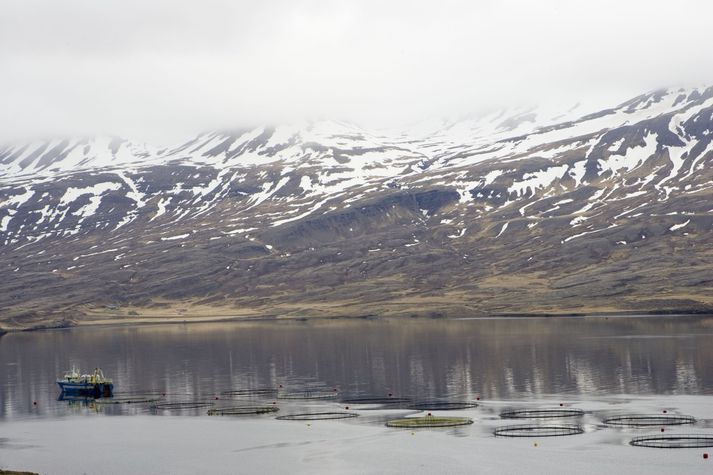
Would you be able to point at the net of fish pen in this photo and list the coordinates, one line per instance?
(179, 406)
(541, 413)
(317, 416)
(377, 401)
(538, 430)
(441, 405)
(242, 410)
(428, 421)
(673, 441)
(251, 393)
(140, 392)
(649, 420)
(130, 399)
(308, 395)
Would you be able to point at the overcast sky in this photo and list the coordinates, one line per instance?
(158, 70)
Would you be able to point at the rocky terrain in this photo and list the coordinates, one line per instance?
(519, 211)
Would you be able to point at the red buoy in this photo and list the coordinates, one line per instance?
(347, 408)
(477, 398)
(216, 398)
(429, 414)
(662, 429)
(561, 404)
(665, 411)
(34, 403)
(705, 455)
(390, 394)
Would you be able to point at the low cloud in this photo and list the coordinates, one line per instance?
(161, 70)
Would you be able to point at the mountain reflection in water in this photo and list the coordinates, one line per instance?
(423, 359)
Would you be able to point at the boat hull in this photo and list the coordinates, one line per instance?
(85, 389)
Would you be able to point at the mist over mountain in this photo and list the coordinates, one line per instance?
(516, 211)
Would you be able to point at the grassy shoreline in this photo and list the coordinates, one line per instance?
(183, 319)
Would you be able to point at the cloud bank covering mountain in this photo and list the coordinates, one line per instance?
(159, 71)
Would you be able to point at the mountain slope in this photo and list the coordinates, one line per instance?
(512, 212)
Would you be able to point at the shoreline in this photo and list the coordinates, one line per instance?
(138, 320)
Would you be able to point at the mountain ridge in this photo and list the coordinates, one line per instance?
(602, 212)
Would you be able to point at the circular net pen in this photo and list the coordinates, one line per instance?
(538, 430)
(242, 411)
(441, 405)
(428, 421)
(377, 401)
(181, 406)
(140, 392)
(130, 399)
(308, 395)
(651, 420)
(673, 441)
(317, 416)
(541, 413)
(251, 393)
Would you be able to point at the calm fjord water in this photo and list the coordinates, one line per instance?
(423, 359)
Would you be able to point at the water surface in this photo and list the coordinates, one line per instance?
(422, 359)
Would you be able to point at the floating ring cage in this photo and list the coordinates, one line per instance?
(181, 405)
(441, 405)
(538, 430)
(145, 392)
(428, 421)
(137, 399)
(673, 441)
(308, 395)
(649, 420)
(317, 416)
(377, 400)
(242, 410)
(541, 413)
(257, 392)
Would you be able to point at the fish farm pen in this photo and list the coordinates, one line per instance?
(538, 430)
(542, 413)
(673, 441)
(167, 406)
(428, 421)
(309, 395)
(441, 406)
(317, 416)
(649, 420)
(251, 393)
(377, 401)
(129, 399)
(242, 410)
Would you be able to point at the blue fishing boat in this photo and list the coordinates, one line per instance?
(91, 385)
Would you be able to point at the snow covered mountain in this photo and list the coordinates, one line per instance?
(515, 211)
